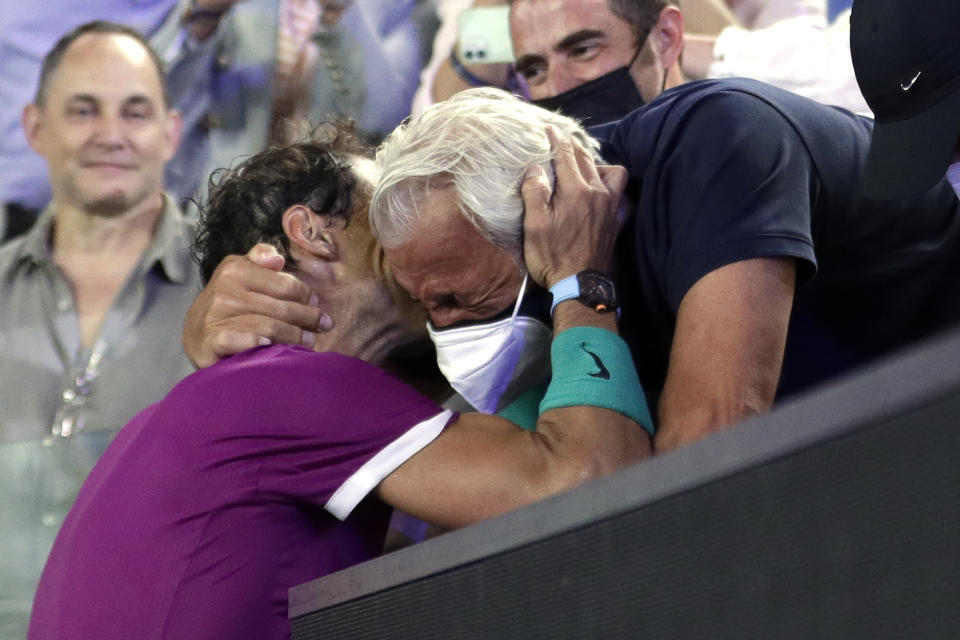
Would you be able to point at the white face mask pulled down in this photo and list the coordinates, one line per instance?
(490, 364)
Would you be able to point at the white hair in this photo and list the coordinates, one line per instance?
(480, 141)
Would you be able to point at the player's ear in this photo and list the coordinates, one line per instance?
(313, 233)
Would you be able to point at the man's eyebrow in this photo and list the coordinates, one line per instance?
(138, 100)
(82, 97)
(576, 38)
(566, 44)
(528, 60)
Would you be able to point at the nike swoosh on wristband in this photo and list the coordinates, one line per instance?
(602, 371)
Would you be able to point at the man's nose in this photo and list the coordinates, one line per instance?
(442, 318)
(109, 131)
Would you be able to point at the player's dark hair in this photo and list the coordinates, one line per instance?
(246, 204)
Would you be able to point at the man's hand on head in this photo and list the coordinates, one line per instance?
(574, 226)
(251, 302)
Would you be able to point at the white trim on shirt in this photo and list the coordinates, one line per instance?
(357, 486)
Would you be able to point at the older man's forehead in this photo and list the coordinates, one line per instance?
(445, 244)
(442, 244)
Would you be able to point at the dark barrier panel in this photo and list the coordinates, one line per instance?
(836, 516)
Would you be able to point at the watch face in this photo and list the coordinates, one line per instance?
(597, 291)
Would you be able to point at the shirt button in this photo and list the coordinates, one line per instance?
(49, 520)
(64, 304)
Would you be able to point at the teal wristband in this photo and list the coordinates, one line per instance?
(593, 367)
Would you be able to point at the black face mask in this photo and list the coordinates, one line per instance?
(605, 99)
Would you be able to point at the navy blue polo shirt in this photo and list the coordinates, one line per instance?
(729, 170)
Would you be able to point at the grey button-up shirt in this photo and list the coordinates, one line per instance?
(51, 387)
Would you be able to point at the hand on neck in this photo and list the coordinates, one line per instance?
(368, 324)
(344, 267)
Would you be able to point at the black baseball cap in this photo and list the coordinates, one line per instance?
(906, 55)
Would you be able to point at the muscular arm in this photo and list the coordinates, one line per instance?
(745, 198)
(727, 349)
(483, 465)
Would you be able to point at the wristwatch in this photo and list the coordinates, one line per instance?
(590, 288)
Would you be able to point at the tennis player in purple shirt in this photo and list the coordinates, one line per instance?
(277, 466)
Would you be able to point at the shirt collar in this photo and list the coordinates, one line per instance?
(170, 246)
(171, 243)
(36, 242)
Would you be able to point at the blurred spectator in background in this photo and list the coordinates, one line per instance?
(27, 31)
(235, 73)
(907, 59)
(786, 43)
(94, 294)
(836, 7)
(253, 72)
(446, 73)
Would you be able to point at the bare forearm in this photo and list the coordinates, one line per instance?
(727, 350)
(483, 465)
(683, 420)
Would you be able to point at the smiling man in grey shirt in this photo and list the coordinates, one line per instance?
(93, 297)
